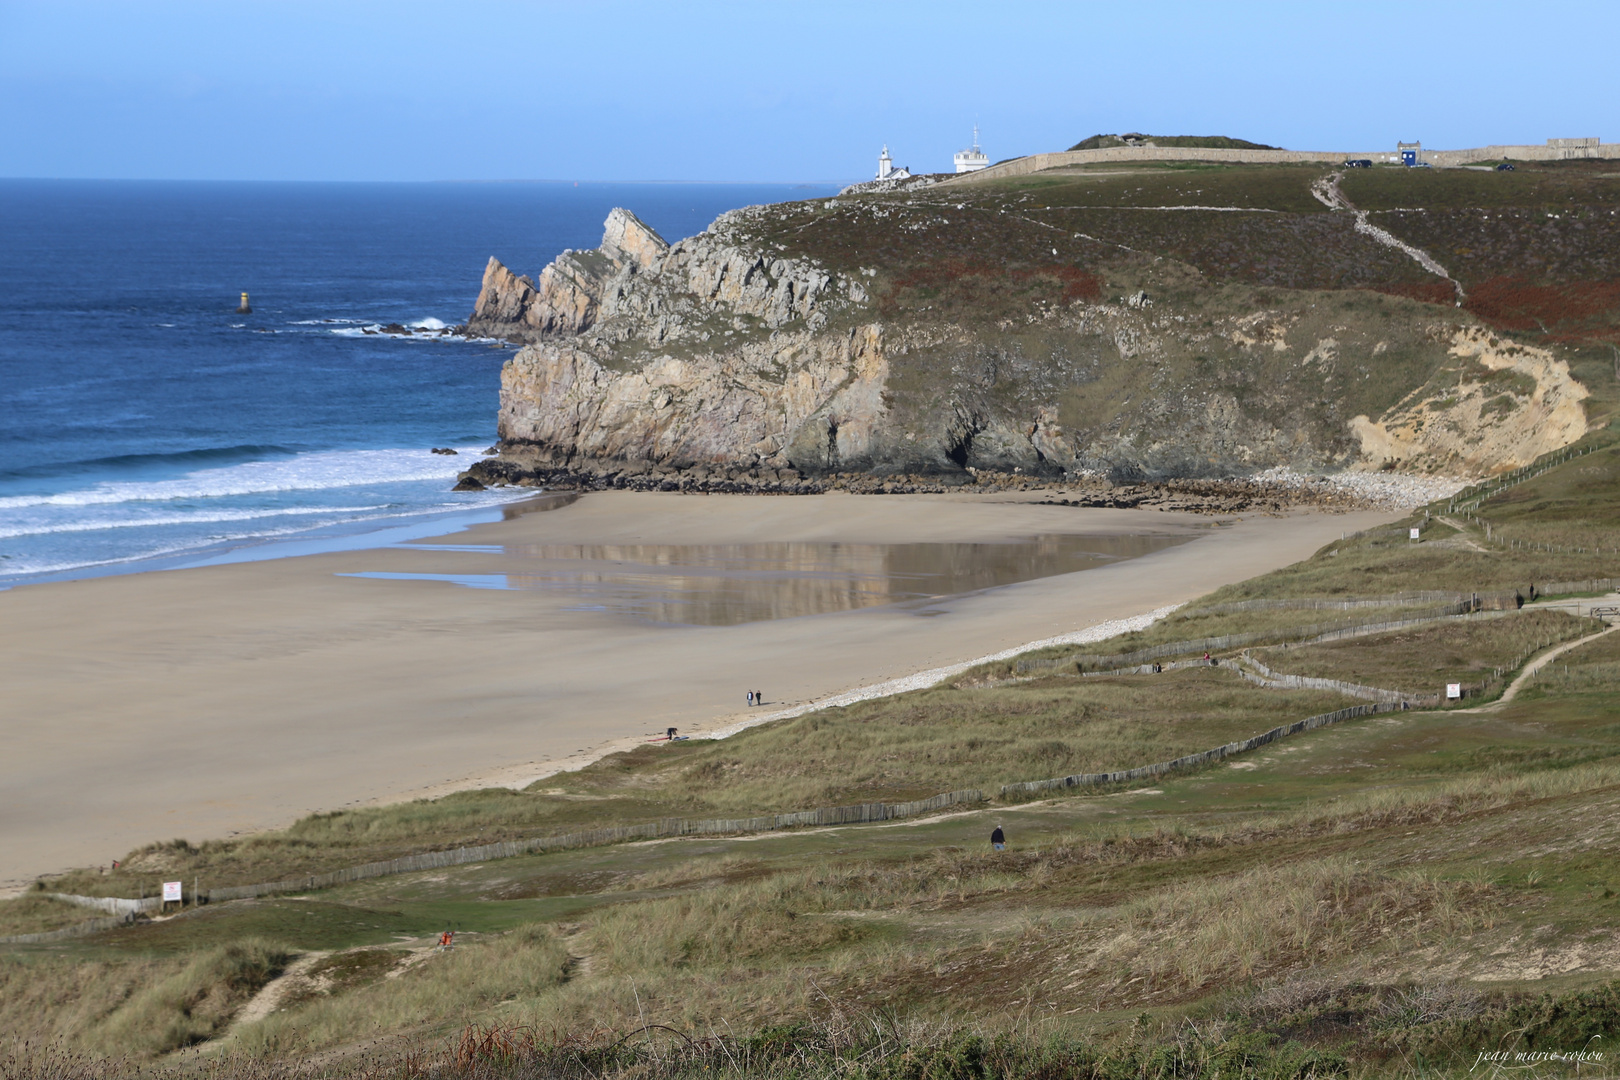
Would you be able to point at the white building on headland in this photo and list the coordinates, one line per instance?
(972, 159)
(887, 169)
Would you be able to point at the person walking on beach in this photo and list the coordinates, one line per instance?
(998, 839)
(759, 697)
(750, 699)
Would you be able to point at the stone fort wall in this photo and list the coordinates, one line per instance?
(1553, 150)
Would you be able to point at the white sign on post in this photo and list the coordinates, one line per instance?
(171, 891)
(1414, 534)
(1453, 689)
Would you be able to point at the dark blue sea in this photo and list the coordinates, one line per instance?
(144, 423)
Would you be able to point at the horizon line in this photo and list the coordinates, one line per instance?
(440, 180)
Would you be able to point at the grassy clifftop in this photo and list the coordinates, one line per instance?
(1122, 322)
(1204, 318)
(1207, 142)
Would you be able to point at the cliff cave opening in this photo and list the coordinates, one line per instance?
(960, 448)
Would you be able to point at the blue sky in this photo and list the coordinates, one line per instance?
(761, 91)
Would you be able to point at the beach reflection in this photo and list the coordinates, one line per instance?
(730, 584)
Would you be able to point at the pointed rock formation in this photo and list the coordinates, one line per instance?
(569, 295)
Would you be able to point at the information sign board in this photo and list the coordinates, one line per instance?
(172, 891)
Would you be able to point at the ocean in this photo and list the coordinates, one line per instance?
(145, 424)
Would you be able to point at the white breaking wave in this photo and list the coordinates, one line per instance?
(428, 329)
(19, 567)
(318, 471)
(11, 567)
(201, 518)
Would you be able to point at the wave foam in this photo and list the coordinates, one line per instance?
(426, 329)
(205, 518)
(317, 471)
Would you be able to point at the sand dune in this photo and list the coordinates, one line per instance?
(210, 701)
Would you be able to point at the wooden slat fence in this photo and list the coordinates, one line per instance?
(1144, 669)
(112, 905)
(1194, 760)
(89, 926)
(1470, 498)
(1563, 588)
(1429, 700)
(433, 860)
(1225, 642)
(1307, 603)
(1265, 676)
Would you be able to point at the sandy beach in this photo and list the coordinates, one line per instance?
(206, 702)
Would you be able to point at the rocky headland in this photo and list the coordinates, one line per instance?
(955, 337)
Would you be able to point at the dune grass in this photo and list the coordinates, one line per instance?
(1566, 507)
(1422, 659)
(138, 1007)
(914, 745)
(1350, 872)
(1171, 915)
(907, 747)
(445, 990)
(34, 912)
(1193, 623)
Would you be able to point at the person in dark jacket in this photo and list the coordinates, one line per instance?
(998, 839)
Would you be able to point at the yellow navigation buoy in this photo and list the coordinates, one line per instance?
(246, 308)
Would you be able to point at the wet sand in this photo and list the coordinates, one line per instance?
(212, 701)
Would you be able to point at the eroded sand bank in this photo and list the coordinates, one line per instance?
(204, 702)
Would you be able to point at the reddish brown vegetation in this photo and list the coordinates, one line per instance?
(961, 280)
(1429, 292)
(1580, 310)
(1572, 313)
(1077, 284)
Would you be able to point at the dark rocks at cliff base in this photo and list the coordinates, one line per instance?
(1223, 496)
(444, 450)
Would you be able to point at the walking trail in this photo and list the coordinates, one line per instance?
(1533, 667)
(1328, 194)
(271, 994)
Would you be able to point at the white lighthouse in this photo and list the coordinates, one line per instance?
(972, 159)
(887, 169)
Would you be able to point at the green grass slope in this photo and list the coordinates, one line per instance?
(1385, 896)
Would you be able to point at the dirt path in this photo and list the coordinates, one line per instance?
(272, 993)
(297, 978)
(1534, 666)
(1328, 194)
(1462, 534)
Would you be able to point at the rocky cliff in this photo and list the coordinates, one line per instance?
(948, 335)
